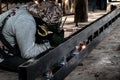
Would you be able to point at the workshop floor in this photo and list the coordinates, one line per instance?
(70, 27)
(103, 63)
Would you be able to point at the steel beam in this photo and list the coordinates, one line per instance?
(57, 63)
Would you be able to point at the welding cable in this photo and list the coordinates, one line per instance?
(42, 30)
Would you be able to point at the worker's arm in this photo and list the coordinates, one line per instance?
(25, 30)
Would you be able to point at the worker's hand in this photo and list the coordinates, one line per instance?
(60, 29)
(47, 44)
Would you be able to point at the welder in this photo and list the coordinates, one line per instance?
(26, 29)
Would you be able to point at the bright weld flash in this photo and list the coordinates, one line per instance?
(36, 2)
(81, 46)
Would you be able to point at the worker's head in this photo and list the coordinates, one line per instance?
(49, 12)
(46, 12)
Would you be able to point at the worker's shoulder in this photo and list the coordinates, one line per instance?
(22, 13)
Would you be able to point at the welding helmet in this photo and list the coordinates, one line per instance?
(43, 29)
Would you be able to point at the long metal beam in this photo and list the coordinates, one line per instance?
(57, 63)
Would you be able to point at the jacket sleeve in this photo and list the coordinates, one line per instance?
(25, 30)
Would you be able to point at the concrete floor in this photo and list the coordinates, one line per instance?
(69, 26)
(103, 63)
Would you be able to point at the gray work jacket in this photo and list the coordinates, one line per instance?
(21, 28)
